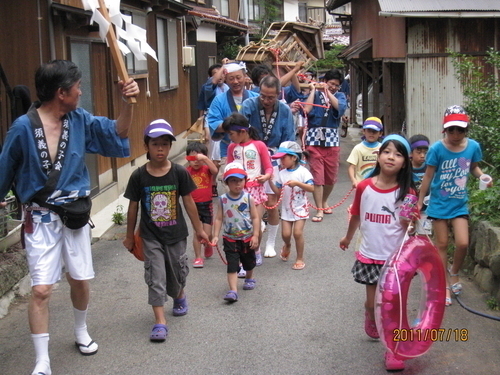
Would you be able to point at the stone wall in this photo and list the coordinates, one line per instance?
(14, 279)
(484, 252)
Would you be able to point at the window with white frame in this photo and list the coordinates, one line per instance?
(222, 6)
(167, 51)
(253, 10)
(135, 66)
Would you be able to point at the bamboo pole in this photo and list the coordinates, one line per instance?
(115, 50)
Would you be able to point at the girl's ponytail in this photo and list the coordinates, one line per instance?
(236, 121)
(252, 132)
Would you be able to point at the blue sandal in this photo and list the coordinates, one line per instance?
(447, 300)
(180, 306)
(249, 284)
(159, 332)
(231, 296)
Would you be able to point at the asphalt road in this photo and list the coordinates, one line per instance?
(294, 322)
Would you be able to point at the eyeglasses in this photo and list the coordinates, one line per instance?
(268, 98)
(455, 129)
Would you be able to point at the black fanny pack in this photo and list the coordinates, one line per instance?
(74, 215)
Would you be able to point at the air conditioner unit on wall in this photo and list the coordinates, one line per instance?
(188, 58)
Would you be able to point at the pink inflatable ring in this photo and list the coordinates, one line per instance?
(417, 255)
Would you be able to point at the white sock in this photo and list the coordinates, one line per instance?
(272, 231)
(41, 344)
(81, 334)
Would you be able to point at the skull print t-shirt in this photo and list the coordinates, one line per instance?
(161, 214)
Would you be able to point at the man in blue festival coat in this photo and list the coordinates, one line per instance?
(273, 121)
(325, 107)
(51, 140)
(225, 104)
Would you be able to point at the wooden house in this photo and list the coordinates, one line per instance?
(35, 31)
(403, 50)
(208, 29)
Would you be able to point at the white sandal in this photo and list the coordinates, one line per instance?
(456, 288)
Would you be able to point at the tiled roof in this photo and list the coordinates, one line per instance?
(398, 6)
(334, 34)
(212, 15)
(439, 6)
(342, 40)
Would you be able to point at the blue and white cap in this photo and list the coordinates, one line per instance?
(287, 148)
(158, 128)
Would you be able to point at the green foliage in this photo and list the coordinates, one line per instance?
(270, 12)
(118, 215)
(331, 60)
(230, 48)
(484, 204)
(492, 304)
(481, 89)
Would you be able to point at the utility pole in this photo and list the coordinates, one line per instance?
(244, 5)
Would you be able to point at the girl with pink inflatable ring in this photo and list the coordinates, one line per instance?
(375, 211)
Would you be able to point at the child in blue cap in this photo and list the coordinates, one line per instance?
(363, 157)
(157, 186)
(293, 181)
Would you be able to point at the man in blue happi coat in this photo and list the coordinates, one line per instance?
(273, 121)
(51, 140)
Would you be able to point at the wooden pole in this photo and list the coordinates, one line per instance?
(115, 50)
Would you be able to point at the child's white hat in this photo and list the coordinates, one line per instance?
(287, 148)
(234, 170)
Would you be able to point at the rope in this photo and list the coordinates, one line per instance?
(303, 76)
(220, 254)
(277, 203)
(302, 104)
(335, 205)
(308, 204)
(276, 52)
(292, 208)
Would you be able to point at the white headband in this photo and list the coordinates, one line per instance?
(235, 66)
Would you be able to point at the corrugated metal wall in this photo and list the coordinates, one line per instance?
(430, 75)
(431, 88)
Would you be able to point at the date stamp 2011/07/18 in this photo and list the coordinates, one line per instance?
(435, 334)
